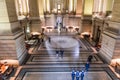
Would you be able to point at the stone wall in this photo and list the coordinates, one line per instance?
(7, 49)
(110, 48)
(107, 47)
(13, 47)
(116, 52)
(20, 48)
(35, 26)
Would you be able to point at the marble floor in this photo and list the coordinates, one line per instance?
(64, 76)
(44, 64)
(41, 65)
(64, 73)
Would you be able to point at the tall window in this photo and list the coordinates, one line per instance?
(22, 7)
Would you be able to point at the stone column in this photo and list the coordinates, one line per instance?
(40, 9)
(41, 12)
(35, 15)
(12, 44)
(70, 6)
(110, 48)
(79, 7)
(34, 10)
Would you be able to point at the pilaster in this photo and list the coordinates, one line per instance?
(12, 44)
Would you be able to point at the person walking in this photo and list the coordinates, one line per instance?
(57, 53)
(77, 75)
(73, 74)
(90, 57)
(87, 65)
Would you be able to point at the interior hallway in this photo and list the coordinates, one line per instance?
(44, 66)
(43, 63)
(26, 23)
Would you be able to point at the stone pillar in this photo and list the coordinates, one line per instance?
(34, 16)
(79, 7)
(34, 10)
(12, 44)
(110, 48)
(71, 6)
(40, 8)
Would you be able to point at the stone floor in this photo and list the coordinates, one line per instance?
(44, 64)
(64, 73)
(64, 76)
(41, 65)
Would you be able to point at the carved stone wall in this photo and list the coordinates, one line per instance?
(11, 34)
(98, 25)
(110, 48)
(107, 47)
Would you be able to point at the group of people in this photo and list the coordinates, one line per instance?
(77, 74)
(60, 53)
(80, 74)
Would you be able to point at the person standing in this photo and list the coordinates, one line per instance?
(77, 75)
(73, 74)
(82, 75)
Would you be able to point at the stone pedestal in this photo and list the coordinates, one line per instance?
(35, 26)
(13, 47)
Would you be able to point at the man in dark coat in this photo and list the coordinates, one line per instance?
(90, 57)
